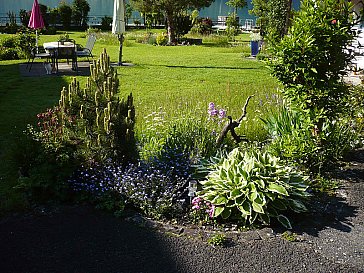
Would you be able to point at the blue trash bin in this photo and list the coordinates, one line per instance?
(254, 45)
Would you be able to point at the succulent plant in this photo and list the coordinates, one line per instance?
(253, 186)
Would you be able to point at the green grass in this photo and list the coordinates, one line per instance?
(178, 79)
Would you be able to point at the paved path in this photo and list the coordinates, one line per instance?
(79, 239)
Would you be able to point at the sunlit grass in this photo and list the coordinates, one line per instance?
(180, 79)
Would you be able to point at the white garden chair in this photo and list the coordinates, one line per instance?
(87, 50)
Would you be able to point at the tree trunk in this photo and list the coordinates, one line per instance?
(170, 28)
(288, 16)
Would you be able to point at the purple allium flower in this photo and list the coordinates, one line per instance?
(211, 106)
(222, 113)
(213, 112)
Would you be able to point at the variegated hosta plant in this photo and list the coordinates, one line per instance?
(253, 187)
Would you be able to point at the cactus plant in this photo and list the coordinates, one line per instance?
(104, 124)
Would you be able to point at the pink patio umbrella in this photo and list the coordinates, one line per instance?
(36, 21)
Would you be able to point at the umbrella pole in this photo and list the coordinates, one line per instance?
(36, 40)
(121, 38)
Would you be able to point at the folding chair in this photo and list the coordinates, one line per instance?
(37, 53)
(68, 53)
(87, 50)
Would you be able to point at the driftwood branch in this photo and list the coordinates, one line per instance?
(232, 124)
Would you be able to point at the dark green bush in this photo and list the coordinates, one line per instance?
(106, 22)
(311, 60)
(8, 53)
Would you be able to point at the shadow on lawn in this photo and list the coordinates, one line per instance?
(21, 99)
(213, 67)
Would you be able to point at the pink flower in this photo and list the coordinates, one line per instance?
(211, 212)
(333, 22)
(196, 200)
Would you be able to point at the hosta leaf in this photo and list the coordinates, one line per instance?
(231, 175)
(277, 188)
(270, 195)
(225, 164)
(218, 211)
(260, 199)
(278, 204)
(252, 196)
(252, 187)
(243, 173)
(235, 193)
(226, 213)
(222, 173)
(245, 208)
(219, 200)
(240, 200)
(253, 217)
(284, 221)
(260, 183)
(230, 204)
(297, 206)
(264, 218)
(272, 212)
(257, 207)
(243, 182)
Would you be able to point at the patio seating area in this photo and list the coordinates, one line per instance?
(64, 69)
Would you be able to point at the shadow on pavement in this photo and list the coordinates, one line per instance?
(335, 211)
(80, 240)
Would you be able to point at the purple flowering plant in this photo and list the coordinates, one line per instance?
(202, 211)
(150, 187)
(216, 115)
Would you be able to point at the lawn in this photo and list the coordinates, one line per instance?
(179, 79)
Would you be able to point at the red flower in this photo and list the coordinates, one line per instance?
(333, 22)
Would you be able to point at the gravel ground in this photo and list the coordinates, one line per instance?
(80, 239)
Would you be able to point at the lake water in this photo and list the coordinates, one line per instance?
(105, 7)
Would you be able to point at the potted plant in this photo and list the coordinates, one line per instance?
(64, 38)
(255, 38)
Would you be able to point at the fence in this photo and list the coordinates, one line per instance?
(95, 20)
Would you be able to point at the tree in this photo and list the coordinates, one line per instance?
(273, 17)
(80, 10)
(65, 14)
(236, 4)
(128, 12)
(171, 10)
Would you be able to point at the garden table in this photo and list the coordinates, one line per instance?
(62, 50)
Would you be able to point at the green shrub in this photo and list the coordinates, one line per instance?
(8, 54)
(147, 38)
(254, 186)
(232, 26)
(295, 139)
(9, 42)
(311, 60)
(161, 39)
(106, 22)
